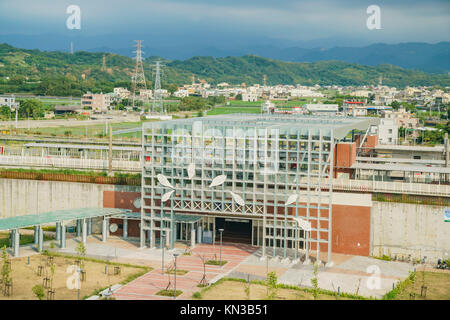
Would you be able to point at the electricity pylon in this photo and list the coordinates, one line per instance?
(138, 82)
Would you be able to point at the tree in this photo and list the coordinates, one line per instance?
(6, 267)
(395, 105)
(272, 287)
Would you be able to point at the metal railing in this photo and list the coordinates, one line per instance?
(391, 187)
(68, 163)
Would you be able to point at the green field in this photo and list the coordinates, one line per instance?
(83, 131)
(233, 109)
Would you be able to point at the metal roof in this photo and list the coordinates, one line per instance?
(80, 146)
(56, 216)
(293, 123)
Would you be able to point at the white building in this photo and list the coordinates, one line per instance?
(122, 93)
(247, 96)
(322, 108)
(388, 131)
(8, 101)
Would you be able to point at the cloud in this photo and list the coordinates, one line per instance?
(402, 20)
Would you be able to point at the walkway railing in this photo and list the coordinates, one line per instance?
(391, 187)
(68, 163)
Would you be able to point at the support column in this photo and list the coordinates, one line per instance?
(125, 228)
(16, 242)
(89, 226)
(58, 231)
(12, 238)
(36, 234)
(63, 236)
(107, 227)
(41, 239)
(78, 227)
(104, 231)
(192, 236)
(84, 231)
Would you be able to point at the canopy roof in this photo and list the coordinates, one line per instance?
(56, 216)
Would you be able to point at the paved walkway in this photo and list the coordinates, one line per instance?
(149, 284)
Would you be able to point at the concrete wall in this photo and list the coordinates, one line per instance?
(409, 229)
(23, 197)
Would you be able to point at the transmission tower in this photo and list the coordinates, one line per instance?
(138, 82)
(104, 63)
(157, 106)
(71, 47)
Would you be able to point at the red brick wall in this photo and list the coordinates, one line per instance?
(123, 200)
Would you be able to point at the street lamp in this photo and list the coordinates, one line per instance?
(221, 230)
(175, 255)
(163, 238)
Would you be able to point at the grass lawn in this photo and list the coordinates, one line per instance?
(24, 239)
(437, 283)
(24, 277)
(233, 109)
(81, 131)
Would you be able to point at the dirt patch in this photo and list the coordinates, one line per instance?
(234, 290)
(25, 276)
(437, 283)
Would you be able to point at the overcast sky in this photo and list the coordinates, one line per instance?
(301, 20)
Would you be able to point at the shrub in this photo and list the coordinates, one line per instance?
(38, 291)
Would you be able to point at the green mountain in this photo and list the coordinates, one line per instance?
(58, 73)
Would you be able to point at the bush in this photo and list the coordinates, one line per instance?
(38, 291)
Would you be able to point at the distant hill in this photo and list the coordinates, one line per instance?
(59, 73)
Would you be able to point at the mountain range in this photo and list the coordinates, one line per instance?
(62, 73)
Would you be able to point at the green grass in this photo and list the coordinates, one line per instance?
(216, 262)
(180, 272)
(24, 239)
(168, 293)
(233, 109)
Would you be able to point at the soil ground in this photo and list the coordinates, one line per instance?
(233, 290)
(437, 283)
(24, 277)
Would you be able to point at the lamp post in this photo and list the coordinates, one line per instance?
(221, 230)
(175, 255)
(163, 236)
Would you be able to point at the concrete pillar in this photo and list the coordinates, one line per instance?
(168, 238)
(36, 234)
(78, 227)
(63, 236)
(12, 238)
(41, 239)
(199, 234)
(192, 236)
(107, 227)
(16, 242)
(84, 230)
(89, 226)
(58, 231)
(125, 228)
(104, 229)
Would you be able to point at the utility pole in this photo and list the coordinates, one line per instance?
(110, 173)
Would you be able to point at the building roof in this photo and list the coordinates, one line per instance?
(56, 216)
(287, 124)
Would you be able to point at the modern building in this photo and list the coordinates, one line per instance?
(8, 101)
(317, 108)
(265, 179)
(388, 131)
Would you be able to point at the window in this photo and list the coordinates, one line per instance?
(390, 130)
(417, 157)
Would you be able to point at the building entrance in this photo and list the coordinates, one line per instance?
(235, 230)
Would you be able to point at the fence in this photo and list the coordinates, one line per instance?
(70, 178)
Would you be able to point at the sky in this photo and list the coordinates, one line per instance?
(185, 24)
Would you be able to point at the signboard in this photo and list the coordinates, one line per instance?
(207, 236)
(447, 215)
